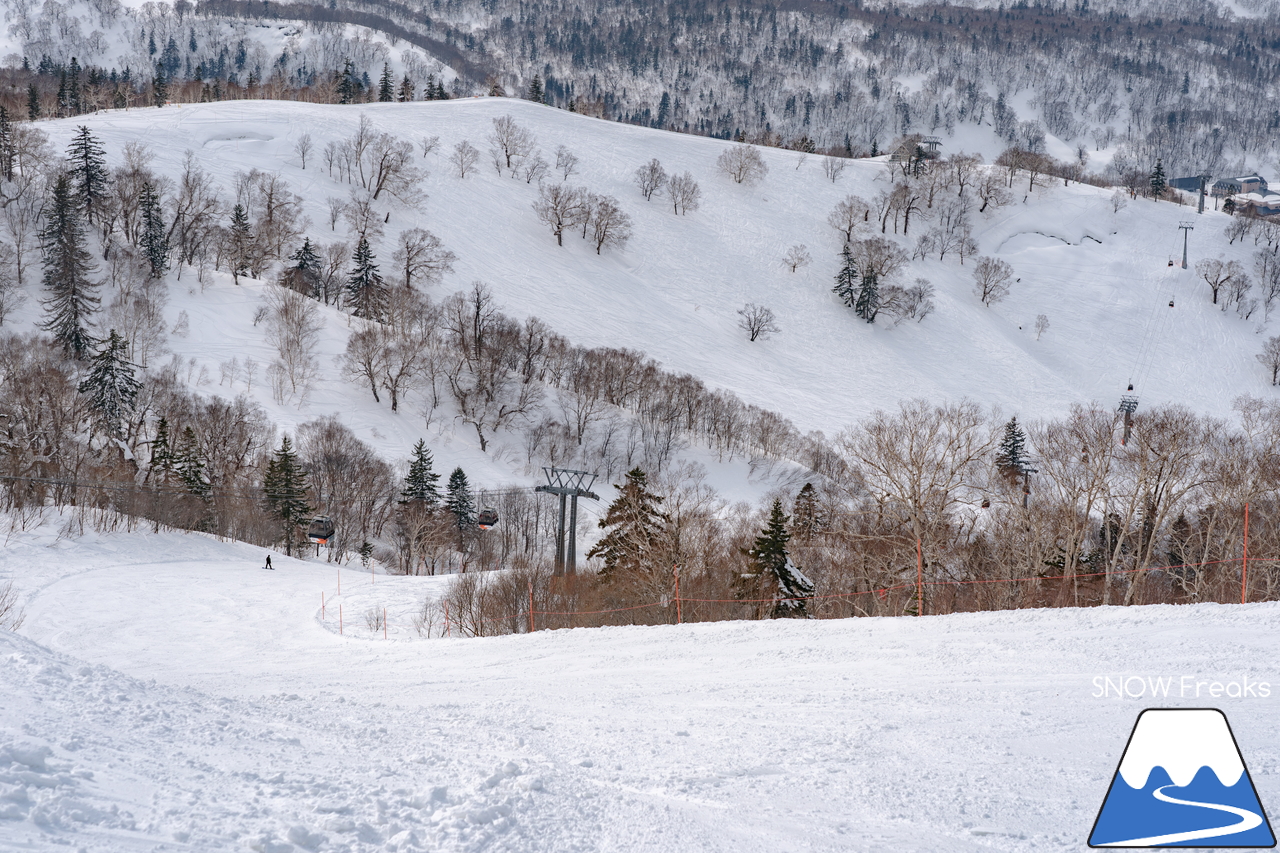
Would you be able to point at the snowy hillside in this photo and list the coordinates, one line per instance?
(166, 693)
(1102, 278)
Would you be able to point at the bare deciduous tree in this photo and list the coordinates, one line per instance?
(1042, 325)
(610, 225)
(650, 178)
(420, 256)
(833, 168)
(743, 164)
(336, 208)
(1270, 358)
(303, 148)
(850, 216)
(11, 295)
(533, 168)
(991, 190)
(464, 157)
(333, 263)
(991, 278)
(883, 256)
(511, 140)
(1218, 273)
(907, 303)
(293, 327)
(964, 168)
(11, 612)
(560, 206)
(363, 221)
(684, 192)
(797, 256)
(365, 357)
(427, 144)
(566, 162)
(757, 321)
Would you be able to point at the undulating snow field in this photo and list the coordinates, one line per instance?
(1102, 278)
(166, 693)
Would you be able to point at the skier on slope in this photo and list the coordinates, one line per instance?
(269, 561)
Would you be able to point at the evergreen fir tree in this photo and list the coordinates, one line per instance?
(805, 516)
(420, 483)
(154, 240)
(775, 575)
(1159, 184)
(1229, 206)
(633, 543)
(459, 500)
(33, 102)
(162, 457)
(73, 88)
(241, 242)
(111, 386)
(306, 259)
(70, 299)
(188, 464)
(536, 93)
(347, 83)
(847, 286)
(87, 169)
(406, 90)
(160, 86)
(60, 100)
(306, 266)
(285, 488)
(118, 100)
(366, 291)
(867, 305)
(386, 90)
(7, 153)
(1011, 456)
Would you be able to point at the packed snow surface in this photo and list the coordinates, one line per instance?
(166, 693)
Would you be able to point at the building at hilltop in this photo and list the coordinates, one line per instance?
(1235, 186)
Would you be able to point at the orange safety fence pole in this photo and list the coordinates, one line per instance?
(339, 619)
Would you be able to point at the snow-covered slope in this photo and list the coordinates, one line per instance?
(1102, 278)
(166, 693)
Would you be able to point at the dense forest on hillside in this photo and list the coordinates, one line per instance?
(1162, 80)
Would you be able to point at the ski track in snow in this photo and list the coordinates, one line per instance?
(168, 694)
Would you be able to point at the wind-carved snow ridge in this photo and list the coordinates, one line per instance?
(1181, 742)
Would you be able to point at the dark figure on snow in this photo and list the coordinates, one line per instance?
(268, 561)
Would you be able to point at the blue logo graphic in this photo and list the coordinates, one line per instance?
(1182, 783)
